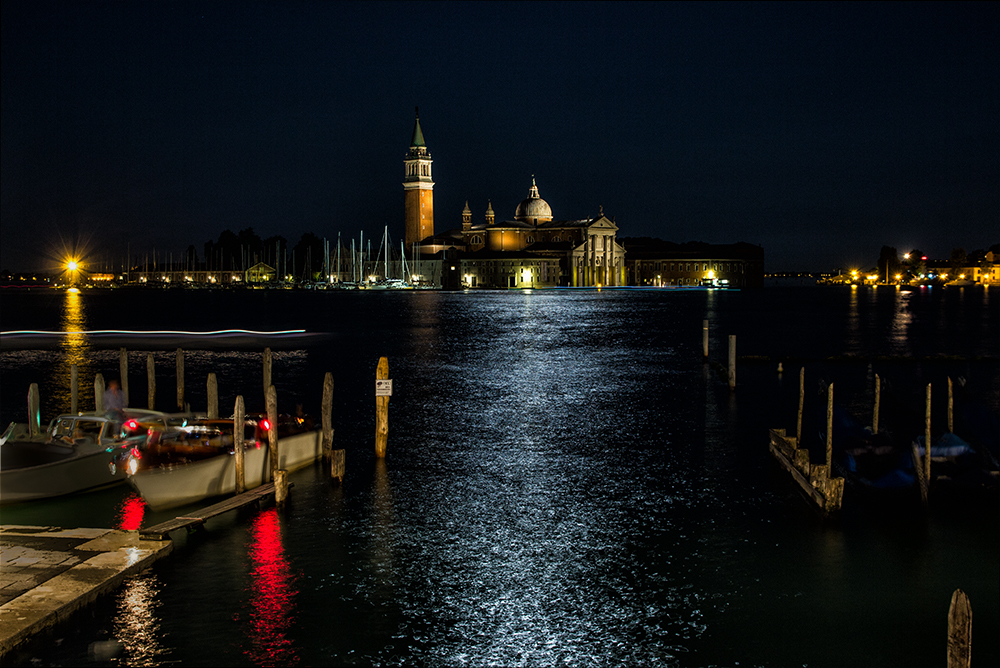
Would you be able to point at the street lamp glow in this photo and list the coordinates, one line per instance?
(72, 265)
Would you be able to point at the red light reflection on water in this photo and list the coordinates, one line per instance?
(129, 516)
(272, 605)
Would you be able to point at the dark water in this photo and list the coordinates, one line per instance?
(567, 482)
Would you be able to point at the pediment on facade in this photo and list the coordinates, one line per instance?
(602, 223)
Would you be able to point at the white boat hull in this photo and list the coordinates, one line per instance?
(85, 471)
(169, 487)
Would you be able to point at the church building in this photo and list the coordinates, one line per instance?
(534, 249)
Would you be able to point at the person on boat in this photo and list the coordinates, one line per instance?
(114, 401)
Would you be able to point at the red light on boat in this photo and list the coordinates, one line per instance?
(265, 425)
(132, 424)
(136, 453)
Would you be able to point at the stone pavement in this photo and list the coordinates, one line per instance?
(46, 573)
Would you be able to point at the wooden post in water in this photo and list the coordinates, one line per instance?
(381, 410)
(704, 339)
(802, 398)
(732, 361)
(878, 396)
(337, 465)
(239, 420)
(280, 486)
(829, 426)
(267, 369)
(918, 466)
(34, 411)
(927, 438)
(150, 382)
(213, 397)
(74, 388)
(327, 415)
(272, 433)
(951, 407)
(180, 379)
(99, 393)
(123, 371)
(959, 631)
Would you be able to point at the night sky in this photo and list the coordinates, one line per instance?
(820, 131)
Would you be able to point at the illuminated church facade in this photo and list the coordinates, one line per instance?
(532, 249)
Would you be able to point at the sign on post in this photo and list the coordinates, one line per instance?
(383, 387)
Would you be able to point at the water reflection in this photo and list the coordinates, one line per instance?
(74, 346)
(129, 514)
(852, 341)
(901, 320)
(137, 624)
(272, 604)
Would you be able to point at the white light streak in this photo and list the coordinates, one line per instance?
(156, 332)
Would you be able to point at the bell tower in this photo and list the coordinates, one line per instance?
(418, 189)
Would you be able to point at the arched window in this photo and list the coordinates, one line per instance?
(476, 239)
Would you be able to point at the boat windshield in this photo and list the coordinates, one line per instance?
(71, 430)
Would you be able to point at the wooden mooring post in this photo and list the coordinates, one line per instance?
(336, 458)
(732, 362)
(280, 486)
(239, 420)
(337, 465)
(927, 438)
(878, 396)
(74, 388)
(123, 372)
(802, 398)
(267, 369)
(704, 339)
(180, 379)
(213, 396)
(951, 407)
(278, 476)
(829, 426)
(150, 382)
(326, 414)
(272, 433)
(959, 631)
(383, 390)
(99, 393)
(34, 411)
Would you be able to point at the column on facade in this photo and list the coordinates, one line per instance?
(604, 260)
(592, 259)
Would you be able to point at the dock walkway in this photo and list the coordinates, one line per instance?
(162, 531)
(46, 573)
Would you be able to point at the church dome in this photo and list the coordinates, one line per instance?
(533, 209)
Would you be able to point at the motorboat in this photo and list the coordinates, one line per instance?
(196, 462)
(70, 456)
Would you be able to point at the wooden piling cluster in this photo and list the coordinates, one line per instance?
(825, 492)
(336, 458)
